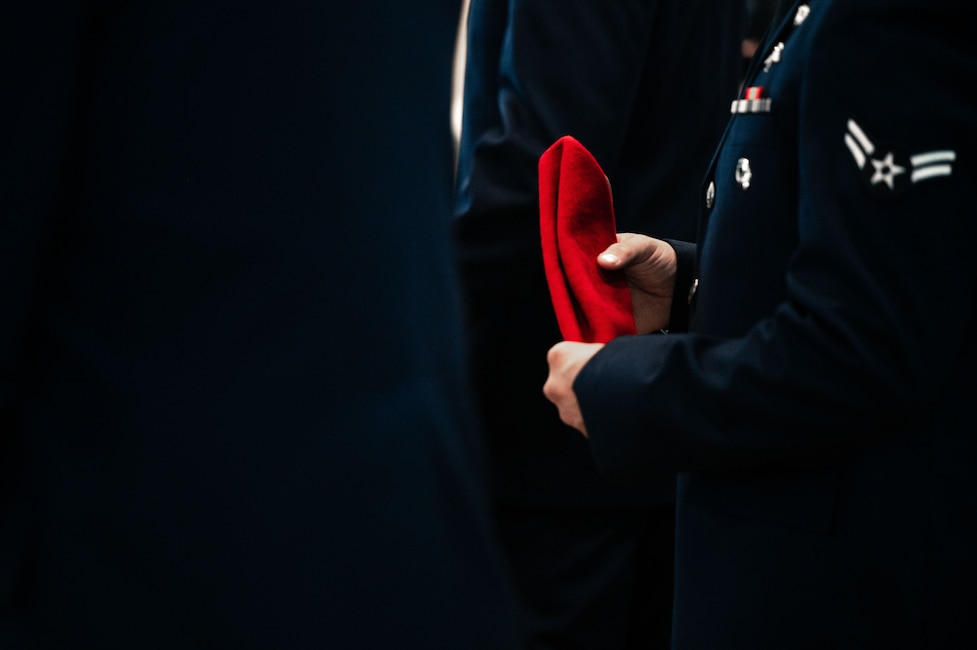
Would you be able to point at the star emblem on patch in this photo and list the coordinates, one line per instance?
(888, 171)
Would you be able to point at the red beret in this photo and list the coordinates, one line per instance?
(576, 218)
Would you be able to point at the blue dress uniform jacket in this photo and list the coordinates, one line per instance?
(821, 408)
(232, 397)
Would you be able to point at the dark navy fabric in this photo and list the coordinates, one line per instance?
(644, 85)
(233, 405)
(821, 406)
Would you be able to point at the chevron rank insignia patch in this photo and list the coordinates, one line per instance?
(888, 171)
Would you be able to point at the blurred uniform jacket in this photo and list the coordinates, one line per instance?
(232, 400)
(538, 70)
(821, 409)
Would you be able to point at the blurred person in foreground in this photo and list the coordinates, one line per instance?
(228, 418)
(645, 85)
(820, 405)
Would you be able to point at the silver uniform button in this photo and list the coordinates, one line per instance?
(802, 13)
(710, 195)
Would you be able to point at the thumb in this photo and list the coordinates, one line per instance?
(618, 255)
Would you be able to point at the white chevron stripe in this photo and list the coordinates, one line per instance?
(856, 152)
(933, 157)
(863, 140)
(931, 171)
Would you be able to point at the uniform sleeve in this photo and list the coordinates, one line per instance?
(878, 316)
(684, 284)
